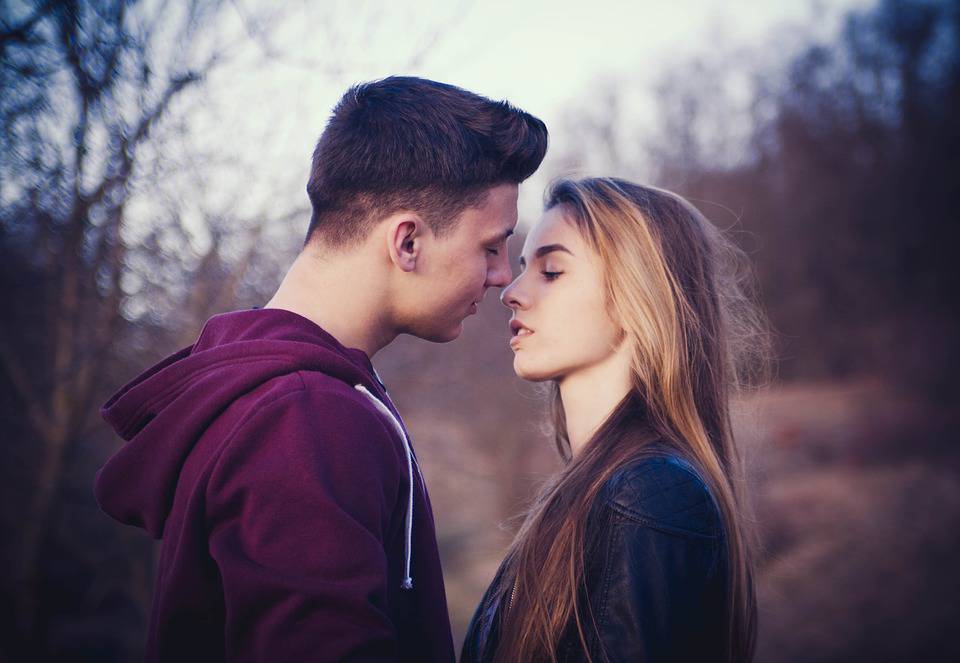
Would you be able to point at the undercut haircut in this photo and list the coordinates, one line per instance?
(411, 144)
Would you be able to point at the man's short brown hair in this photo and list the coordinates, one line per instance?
(405, 143)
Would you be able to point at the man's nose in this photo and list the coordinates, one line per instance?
(501, 274)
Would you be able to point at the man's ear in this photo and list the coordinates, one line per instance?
(405, 232)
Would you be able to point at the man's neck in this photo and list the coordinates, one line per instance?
(340, 294)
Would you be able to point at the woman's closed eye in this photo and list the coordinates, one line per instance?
(551, 276)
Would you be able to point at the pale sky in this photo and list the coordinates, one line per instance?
(542, 56)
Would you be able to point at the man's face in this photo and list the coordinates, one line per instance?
(456, 271)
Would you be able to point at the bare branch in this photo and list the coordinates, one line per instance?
(18, 378)
(129, 143)
(22, 33)
(416, 60)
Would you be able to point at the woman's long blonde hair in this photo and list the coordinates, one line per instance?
(684, 297)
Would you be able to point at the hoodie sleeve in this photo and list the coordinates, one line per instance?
(299, 506)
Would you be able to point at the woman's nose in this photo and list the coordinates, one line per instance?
(509, 296)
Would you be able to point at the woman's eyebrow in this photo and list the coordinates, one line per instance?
(544, 250)
(550, 248)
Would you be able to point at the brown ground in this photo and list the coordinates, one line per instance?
(858, 501)
(857, 489)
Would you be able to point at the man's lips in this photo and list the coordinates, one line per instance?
(475, 305)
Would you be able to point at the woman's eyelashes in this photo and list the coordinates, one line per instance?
(547, 274)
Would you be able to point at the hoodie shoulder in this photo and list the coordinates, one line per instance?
(313, 407)
(310, 429)
(273, 371)
(309, 469)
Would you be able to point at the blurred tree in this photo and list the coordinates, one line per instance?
(835, 166)
(85, 88)
(126, 219)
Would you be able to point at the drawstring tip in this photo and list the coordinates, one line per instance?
(407, 583)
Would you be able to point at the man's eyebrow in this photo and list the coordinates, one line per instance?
(502, 237)
(544, 250)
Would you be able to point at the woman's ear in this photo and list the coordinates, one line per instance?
(405, 231)
(622, 341)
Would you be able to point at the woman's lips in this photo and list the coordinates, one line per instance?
(515, 340)
(519, 331)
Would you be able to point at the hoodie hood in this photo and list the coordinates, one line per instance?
(163, 412)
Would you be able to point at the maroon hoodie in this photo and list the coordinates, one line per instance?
(270, 460)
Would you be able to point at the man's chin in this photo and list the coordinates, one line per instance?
(450, 333)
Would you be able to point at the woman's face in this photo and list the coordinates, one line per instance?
(560, 324)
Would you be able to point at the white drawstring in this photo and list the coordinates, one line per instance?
(407, 579)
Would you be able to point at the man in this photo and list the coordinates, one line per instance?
(268, 456)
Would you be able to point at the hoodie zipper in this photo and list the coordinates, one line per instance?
(383, 409)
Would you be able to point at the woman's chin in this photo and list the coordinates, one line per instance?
(529, 373)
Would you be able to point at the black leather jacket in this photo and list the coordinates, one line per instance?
(656, 567)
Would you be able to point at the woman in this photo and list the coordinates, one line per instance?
(632, 305)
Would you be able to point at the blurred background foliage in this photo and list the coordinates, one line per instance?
(834, 161)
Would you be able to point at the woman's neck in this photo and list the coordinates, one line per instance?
(591, 394)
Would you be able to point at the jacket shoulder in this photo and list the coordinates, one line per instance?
(665, 492)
